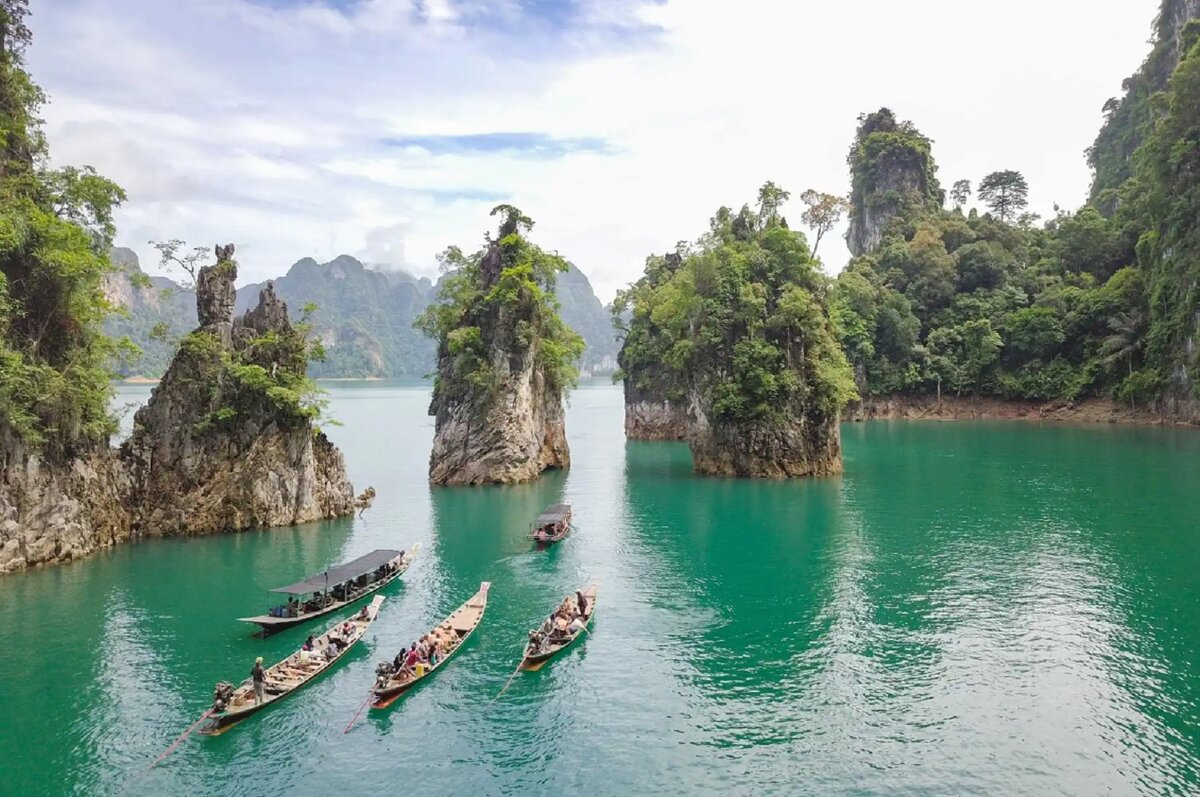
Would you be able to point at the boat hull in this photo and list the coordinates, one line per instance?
(535, 661)
(386, 695)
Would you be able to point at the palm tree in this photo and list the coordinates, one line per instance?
(1128, 329)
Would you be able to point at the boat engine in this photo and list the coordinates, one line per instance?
(222, 695)
(383, 671)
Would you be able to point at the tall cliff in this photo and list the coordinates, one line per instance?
(1129, 119)
(655, 397)
(227, 440)
(1166, 187)
(739, 326)
(505, 361)
(894, 177)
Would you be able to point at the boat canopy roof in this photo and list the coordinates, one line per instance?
(342, 573)
(554, 514)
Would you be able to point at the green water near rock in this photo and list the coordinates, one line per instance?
(974, 608)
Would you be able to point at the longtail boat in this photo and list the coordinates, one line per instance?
(554, 637)
(335, 588)
(232, 705)
(449, 636)
(553, 524)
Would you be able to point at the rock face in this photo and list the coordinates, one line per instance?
(211, 452)
(805, 446)
(893, 173)
(520, 434)
(190, 466)
(655, 420)
(56, 512)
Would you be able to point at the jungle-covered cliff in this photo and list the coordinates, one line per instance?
(64, 492)
(655, 395)
(736, 324)
(505, 361)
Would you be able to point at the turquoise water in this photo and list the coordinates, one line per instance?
(974, 608)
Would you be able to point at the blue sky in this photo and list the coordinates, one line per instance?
(387, 129)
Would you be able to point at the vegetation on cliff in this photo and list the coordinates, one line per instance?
(500, 299)
(893, 178)
(55, 232)
(737, 322)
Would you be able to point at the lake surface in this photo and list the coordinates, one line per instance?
(974, 608)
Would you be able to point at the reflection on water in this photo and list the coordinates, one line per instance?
(971, 608)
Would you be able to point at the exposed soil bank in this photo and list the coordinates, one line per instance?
(1095, 410)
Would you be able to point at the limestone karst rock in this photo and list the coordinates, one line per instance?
(893, 176)
(505, 360)
(224, 443)
(735, 329)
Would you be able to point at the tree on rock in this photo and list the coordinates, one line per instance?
(1006, 193)
(505, 361)
(821, 213)
(960, 193)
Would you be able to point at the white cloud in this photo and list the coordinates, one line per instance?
(263, 123)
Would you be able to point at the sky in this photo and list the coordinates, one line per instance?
(388, 129)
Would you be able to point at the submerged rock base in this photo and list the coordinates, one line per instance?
(655, 420)
(522, 433)
(796, 450)
(1171, 412)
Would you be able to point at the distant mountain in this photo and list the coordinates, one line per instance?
(583, 313)
(147, 302)
(364, 316)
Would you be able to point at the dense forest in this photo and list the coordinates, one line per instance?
(1098, 302)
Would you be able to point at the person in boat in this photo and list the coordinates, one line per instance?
(365, 614)
(259, 677)
(576, 626)
(308, 643)
(293, 608)
(348, 628)
(581, 603)
(410, 661)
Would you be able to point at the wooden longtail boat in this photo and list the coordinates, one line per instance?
(553, 524)
(455, 629)
(231, 706)
(335, 588)
(544, 644)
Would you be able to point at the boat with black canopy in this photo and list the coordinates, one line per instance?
(553, 524)
(334, 588)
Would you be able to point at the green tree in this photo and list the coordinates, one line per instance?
(821, 214)
(960, 193)
(1006, 193)
(56, 229)
(499, 299)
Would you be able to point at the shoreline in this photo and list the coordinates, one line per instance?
(952, 408)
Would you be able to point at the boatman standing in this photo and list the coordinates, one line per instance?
(259, 677)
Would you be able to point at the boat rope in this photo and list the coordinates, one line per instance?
(360, 711)
(509, 681)
(182, 736)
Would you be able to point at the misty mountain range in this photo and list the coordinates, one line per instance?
(364, 316)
